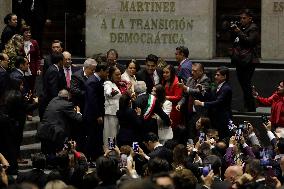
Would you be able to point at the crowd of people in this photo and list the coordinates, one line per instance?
(108, 125)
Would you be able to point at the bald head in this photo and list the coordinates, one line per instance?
(67, 59)
(233, 173)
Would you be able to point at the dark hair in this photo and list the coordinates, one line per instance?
(200, 65)
(124, 101)
(56, 57)
(171, 144)
(152, 137)
(111, 71)
(160, 93)
(247, 12)
(152, 58)
(215, 162)
(38, 160)
(112, 50)
(102, 66)
(172, 73)
(25, 28)
(184, 179)
(180, 155)
(18, 61)
(158, 165)
(224, 71)
(58, 41)
(205, 122)
(8, 17)
(104, 163)
(99, 57)
(134, 62)
(184, 50)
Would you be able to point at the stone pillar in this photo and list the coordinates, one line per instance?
(137, 28)
(6, 7)
(272, 30)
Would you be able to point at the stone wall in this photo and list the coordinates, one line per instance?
(6, 7)
(140, 27)
(272, 26)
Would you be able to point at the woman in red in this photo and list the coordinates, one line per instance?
(276, 101)
(32, 53)
(173, 94)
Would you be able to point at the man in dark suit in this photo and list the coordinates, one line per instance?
(78, 80)
(4, 76)
(219, 109)
(54, 128)
(18, 74)
(94, 111)
(196, 87)
(156, 149)
(56, 47)
(77, 91)
(53, 81)
(151, 75)
(149, 106)
(184, 64)
(68, 68)
(36, 175)
(112, 56)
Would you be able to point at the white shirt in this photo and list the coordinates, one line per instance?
(220, 85)
(156, 78)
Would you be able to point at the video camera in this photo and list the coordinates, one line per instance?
(234, 24)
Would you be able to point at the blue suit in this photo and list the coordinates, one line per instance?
(219, 109)
(94, 108)
(184, 70)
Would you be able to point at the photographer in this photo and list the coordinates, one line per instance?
(245, 37)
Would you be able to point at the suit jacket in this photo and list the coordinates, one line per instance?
(78, 88)
(111, 102)
(184, 70)
(194, 92)
(94, 99)
(72, 70)
(219, 109)
(4, 82)
(6, 35)
(144, 76)
(55, 125)
(174, 94)
(53, 82)
(35, 176)
(47, 62)
(17, 77)
(150, 125)
(34, 57)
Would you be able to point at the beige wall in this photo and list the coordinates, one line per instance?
(6, 7)
(272, 30)
(140, 27)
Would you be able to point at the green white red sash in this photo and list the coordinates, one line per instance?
(150, 107)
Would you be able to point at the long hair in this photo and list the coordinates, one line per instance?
(172, 74)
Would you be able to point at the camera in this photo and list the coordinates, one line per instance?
(234, 24)
(135, 147)
(111, 143)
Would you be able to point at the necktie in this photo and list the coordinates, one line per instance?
(152, 78)
(68, 77)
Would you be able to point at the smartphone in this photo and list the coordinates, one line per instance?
(135, 147)
(264, 119)
(111, 143)
(123, 160)
(205, 170)
(201, 137)
(180, 79)
(239, 131)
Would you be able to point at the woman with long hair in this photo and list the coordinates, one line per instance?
(173, 94)
(130, 72)
(164, 132)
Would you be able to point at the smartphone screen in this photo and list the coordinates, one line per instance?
(135, 147)
(201, 137)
